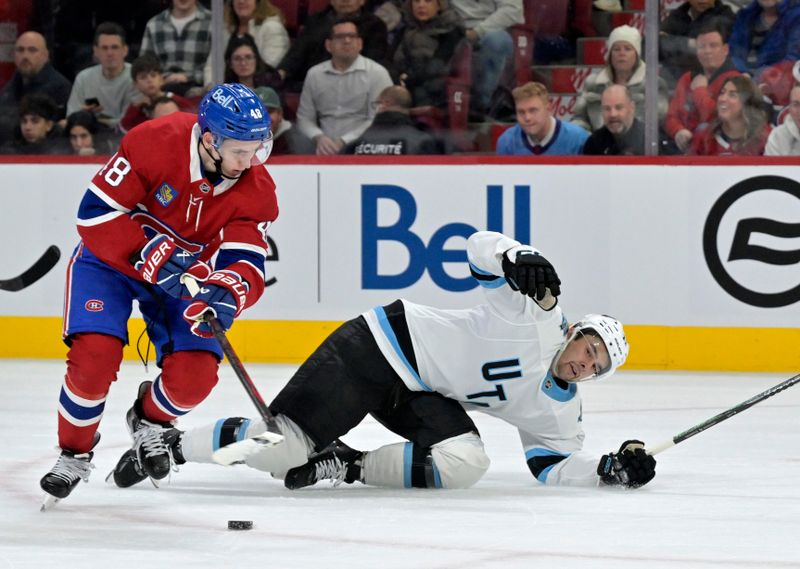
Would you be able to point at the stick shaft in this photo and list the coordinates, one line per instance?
(241, 373)
(727, 414)
(233, 359)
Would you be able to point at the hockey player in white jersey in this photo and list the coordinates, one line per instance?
(416, 369)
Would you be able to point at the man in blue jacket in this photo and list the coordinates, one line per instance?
(537, 131)
(764, 33)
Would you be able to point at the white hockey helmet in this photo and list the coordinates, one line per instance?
(613, 335)
(610, 331)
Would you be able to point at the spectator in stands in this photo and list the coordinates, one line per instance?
(393, 132)
(149, 81)
(625, 67)
(308, 49)
(422, 58)
(677, 43)
(487, 23)
(335, 105)
(765, 32)
(105, 89)
(85, 136)
(262, 20)
(784, 140)
(180, 37)
(537, 131)
(80, 130)
(38, 132)
(244, 65)
(695, 98)
(740, 127)
(622, 134)
(34, 74)
(285, 138)
(164, 106)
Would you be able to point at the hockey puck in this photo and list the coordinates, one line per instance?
(240, 524)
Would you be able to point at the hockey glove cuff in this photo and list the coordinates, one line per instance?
(222, 296)
(631, 467)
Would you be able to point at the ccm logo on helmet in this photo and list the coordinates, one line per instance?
(94, 305)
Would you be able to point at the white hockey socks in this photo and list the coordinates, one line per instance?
(199, 444)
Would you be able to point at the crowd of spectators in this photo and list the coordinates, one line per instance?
(374, 77)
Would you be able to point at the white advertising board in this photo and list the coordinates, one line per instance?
(651, 244)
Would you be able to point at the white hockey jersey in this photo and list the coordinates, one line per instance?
(496, 358)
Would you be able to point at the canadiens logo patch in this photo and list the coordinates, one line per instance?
(165, 194)
(94, 305)
(205, 188)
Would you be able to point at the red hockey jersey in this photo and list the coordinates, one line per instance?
(155, 183)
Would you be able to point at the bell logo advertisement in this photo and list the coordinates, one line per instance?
(433, 255)
(751, 241)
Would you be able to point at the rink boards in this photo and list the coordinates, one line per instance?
(701, 262)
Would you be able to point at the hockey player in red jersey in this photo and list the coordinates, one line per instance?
(179, 190)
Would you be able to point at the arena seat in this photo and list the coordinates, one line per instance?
(291, 14)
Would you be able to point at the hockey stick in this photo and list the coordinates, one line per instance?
(699, 428)
(239, 450)
(39, 269)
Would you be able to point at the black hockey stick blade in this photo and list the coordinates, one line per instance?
(39, 269)
(727, 414)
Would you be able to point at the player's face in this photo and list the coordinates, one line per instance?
(34, 128)
(80, 137)
(30, 54)
(424, 10)
(150, 83)
(533, 116)
(711, 51)
(237, 156)
(794, 105)
(729, 104)
(623, 57)
(584, 357)
(110, 52)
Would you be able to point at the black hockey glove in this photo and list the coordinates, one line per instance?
(532, 275)
(631, 467)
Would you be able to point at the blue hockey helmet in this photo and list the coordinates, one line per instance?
(231, 110)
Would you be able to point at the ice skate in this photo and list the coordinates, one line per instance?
(150, 441)
(128, 471)
(70, 468)
(336, 462)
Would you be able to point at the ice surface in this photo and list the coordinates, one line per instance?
(729, 497)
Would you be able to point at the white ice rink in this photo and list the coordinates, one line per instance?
(729, 497)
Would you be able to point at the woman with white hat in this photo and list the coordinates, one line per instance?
(624, 67)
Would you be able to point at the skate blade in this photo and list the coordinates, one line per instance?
(239, 451)
(48, 502)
